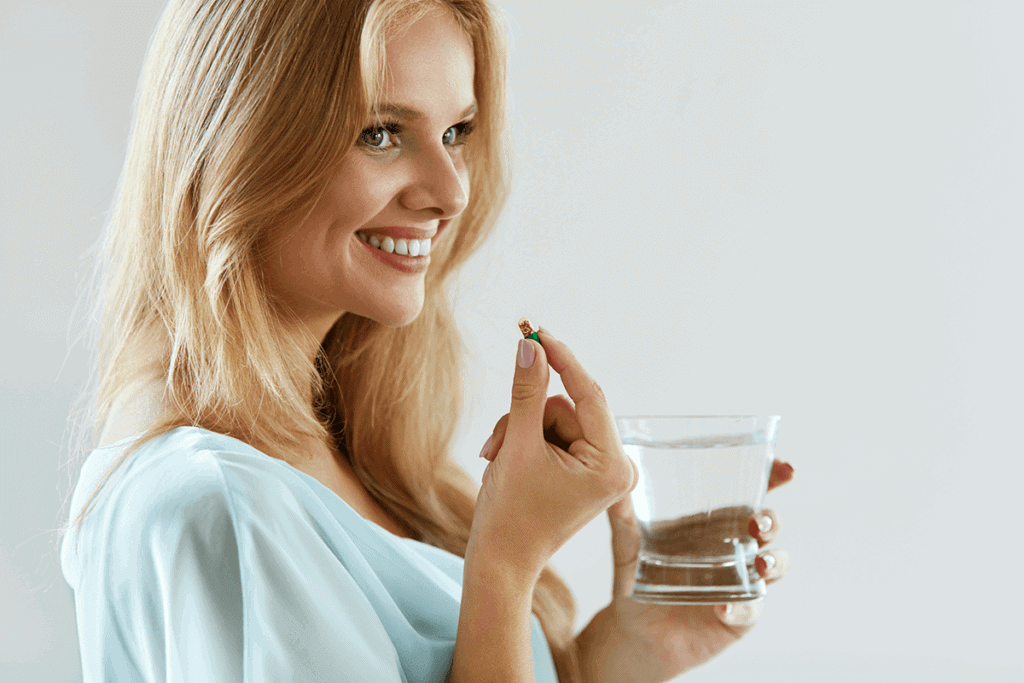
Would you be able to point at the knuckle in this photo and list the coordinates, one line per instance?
(553, 403)
(524, 392)
(596, 390)
(620, 479)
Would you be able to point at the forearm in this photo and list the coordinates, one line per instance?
(493, 641)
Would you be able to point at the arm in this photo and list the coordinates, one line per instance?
(493, 640)
(535, 496)
(159, 596)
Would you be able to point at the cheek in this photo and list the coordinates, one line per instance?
(360, 191)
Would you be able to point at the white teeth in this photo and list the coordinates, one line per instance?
(400, 246)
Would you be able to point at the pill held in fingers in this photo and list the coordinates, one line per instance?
(527, 329)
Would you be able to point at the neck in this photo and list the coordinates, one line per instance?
(133, 411)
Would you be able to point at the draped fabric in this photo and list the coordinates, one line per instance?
(207, 560)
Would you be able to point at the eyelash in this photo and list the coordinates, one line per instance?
(393, 128)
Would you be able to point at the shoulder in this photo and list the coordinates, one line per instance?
(157, 570)
(187, 491)
(178, 480)
(169, 483)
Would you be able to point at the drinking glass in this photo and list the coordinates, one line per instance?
(701, 478)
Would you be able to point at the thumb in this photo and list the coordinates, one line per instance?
(529, 393)
(625, 545)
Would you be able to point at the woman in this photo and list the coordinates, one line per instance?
(273, 496)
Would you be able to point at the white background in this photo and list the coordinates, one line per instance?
(810, 209)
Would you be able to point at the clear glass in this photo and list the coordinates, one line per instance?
(701, 477)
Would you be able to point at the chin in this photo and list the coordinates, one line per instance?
(395, 323)
(399, 318)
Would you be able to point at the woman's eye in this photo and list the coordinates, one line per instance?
(378, 137)
(461, 131)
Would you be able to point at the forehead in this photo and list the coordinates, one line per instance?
(429, 66)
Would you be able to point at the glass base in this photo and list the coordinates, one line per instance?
(696, 581)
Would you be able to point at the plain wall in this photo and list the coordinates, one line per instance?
(810, 209)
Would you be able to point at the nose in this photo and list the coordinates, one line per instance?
(440, 184)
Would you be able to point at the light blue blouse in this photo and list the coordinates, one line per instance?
(207, 560)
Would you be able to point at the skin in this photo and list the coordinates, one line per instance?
(639, 642)
(318, 268)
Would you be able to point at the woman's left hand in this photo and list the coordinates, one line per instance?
(645, 642)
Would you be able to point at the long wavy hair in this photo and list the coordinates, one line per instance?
(244, 111)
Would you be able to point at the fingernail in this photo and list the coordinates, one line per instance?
(487, 444)
(764, 523)
(769, 562)
(526, 353)
(743, 613)
(547, 332)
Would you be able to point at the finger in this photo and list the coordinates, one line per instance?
(561, 426)
(497, 438)
(764, 526)
(781, 473)
(595, 416)
(529, 393)
(625, 545)
(740, 615)
(772, 565)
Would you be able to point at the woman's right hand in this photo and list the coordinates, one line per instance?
(554, 466)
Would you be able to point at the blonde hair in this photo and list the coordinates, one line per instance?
(244, 111)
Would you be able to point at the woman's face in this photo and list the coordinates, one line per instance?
(403, 180)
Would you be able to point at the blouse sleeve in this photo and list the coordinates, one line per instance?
(161, 600)
(206, 565)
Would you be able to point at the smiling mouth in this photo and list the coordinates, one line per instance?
(400, 246)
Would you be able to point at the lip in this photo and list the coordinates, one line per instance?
(399, 232)
(402, 232)
(405, 264)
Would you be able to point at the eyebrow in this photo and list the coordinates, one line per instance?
(406, 113)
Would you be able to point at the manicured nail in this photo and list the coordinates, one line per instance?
(743, 613)
(764, 523)
(526, 353)
(487, 445)
(769, 562)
